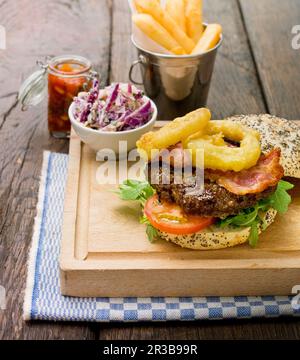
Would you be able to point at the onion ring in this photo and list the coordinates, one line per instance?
(217, 154)
(173, 133)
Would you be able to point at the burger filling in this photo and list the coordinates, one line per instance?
(214, 200)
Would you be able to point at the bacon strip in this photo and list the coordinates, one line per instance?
(267, 172)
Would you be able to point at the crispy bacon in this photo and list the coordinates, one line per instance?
(267, 172)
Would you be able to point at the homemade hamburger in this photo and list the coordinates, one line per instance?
(244, 160)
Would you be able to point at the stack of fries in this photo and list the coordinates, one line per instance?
(177, 27)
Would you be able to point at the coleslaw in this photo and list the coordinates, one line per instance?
(117, 107)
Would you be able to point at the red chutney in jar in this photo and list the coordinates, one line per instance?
(63, 85)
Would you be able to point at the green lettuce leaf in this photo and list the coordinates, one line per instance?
(251, 217)
(281, 200)
(139, 191)
(253, 236)
(136, 190)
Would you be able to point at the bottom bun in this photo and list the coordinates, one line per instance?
(216, 238)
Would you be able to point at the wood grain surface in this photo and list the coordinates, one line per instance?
(256, 71)
(35, 29)
(269, 24)
(235, 87)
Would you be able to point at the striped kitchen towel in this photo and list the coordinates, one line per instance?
(43, 300)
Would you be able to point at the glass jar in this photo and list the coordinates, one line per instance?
(66, 76)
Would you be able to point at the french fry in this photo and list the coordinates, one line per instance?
(157, 32)
(209, 39)
(176, 9)
(139, 9)
(194, 19)
(173, 132)
(153, 8)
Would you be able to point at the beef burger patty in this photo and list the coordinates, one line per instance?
(214, 201)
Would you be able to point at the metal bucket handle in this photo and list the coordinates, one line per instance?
(141, 60)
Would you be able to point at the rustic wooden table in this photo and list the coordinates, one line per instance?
(257, 71)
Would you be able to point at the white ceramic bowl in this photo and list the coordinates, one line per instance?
(100, 140)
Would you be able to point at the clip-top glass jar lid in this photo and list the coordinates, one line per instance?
(34, 89)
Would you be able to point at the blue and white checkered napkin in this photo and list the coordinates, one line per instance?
(43, 299)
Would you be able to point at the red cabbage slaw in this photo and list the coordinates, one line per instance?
(117, 107)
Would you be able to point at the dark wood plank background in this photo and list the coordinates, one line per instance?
(257, 71)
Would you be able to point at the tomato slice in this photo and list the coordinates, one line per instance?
(169, 217)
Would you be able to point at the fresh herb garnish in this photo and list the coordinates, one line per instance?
(251, 217)
(139, 191)
(253, 236)
(280, 200)
(151, 232)
(136, 190)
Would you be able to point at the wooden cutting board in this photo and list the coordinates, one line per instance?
(105, 251)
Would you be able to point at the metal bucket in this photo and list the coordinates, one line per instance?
(177, 84)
